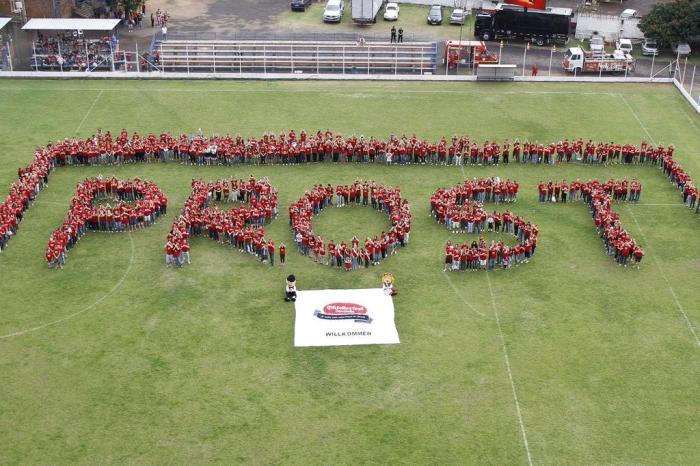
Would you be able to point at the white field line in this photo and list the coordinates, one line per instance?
(641, 232)
(383, 91)
(88, 112)
(692, 119)
(663, 275)
(83, 310)
(459, 295)
(677, 204)
(622, 96)
(510, 372)
(449, 280)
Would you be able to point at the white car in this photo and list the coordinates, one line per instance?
(391, 12)
(334, 11)
(625, 45)
(597, 44)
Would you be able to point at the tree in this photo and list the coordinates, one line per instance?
(131, 5)
(671, 23)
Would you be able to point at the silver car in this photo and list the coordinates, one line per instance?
(334, 11)
(650, 47)
(458, 16)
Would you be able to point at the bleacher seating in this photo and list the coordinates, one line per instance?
(69, 52)
(255, 56)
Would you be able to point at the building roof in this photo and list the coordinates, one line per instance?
(4, 21)
(70, 24)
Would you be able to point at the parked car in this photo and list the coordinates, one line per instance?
(650, 47)
(458, 16)
(597, 44)
(628, 13)
(300, 5)
(625, 45)
(681, 49)
(333, 12)
(391, 12)
(435, 15)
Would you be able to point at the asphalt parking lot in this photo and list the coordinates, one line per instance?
(272, 19)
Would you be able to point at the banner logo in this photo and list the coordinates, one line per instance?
(344, 311)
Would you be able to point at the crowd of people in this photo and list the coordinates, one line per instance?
(137, 203)
(618, 242)
(679, 178)
(461, 209)
(292, 148)
(352, 254)
(563, 191)
(241, 227)
(105, 149)
(600, 196)
(69, 51)
(160, 18)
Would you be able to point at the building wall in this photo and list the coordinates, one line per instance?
(609, 27)
(39, 8)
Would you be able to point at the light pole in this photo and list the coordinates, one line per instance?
(527, 46)
(651, 73)
(500, 51)
(461, 26)
(551, 55)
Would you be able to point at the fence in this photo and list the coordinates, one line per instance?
(688, 83)
(6, 55)
(300, 36)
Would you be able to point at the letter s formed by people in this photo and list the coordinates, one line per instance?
(461, 210)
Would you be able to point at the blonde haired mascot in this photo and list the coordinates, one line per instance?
(388, 284)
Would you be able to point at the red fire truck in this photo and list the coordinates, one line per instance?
(468, 53)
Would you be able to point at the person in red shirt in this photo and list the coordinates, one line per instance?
(271, 252)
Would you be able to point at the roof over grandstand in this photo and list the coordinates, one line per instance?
(70, 24)
(4, 21)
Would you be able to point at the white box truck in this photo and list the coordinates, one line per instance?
(365, 11)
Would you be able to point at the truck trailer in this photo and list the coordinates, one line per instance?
(365, 11)
(514, 22)
(577, 60)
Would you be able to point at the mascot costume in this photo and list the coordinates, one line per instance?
(388, 284)
(291, 289)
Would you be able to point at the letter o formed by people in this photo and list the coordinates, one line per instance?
(129, 204)
(351, 255)
(461, 210)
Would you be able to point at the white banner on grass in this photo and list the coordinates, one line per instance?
(344, 317)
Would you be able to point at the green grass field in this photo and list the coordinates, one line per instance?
(567, 360)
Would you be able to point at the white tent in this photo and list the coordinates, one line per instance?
(4, 21)
(70, 24)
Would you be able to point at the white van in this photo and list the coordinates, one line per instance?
(334, 11)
